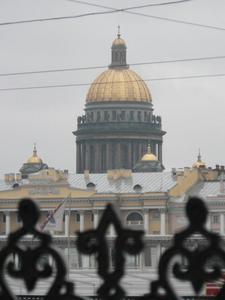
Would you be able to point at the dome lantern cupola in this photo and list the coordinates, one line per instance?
(119, 83)
(34, 159)
(148, 163)
(119, 50)
(149, 156)
(199, 163)
(34, 164)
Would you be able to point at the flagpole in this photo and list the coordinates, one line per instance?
(68, 239)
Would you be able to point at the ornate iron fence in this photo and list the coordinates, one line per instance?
(202, 264)
(25, 297)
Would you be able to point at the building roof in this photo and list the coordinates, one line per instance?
(4, 186)
(208, 189)
(150, 182)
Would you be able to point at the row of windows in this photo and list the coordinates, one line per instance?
(119, 116)
(132, 218)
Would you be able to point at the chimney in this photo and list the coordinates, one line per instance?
(86, 175)
(18, 177)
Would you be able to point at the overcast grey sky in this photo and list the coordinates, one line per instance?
(192, 110)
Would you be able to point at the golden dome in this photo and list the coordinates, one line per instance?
(118, 42)
(118, 84)
(199, 163)
(149, 156)
(34, 159)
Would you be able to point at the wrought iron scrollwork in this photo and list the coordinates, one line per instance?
(196, 271)
(29, 270)
(95, 242)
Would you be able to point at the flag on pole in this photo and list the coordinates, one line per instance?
(54, 219)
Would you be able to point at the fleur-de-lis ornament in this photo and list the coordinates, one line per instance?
(29, 268)
(95, 242)
(197, 270)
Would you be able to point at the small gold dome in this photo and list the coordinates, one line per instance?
(119, 42)
(34, 159)
(199, 163)
(118, 84)
(149, 156)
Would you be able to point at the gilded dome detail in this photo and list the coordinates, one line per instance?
(118, 83)
(149, 156)
(118, 41)
(199, 163)
(34, 159)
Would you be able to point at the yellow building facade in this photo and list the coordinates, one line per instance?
(153, 202)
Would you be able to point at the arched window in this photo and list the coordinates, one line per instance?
(135, 218)
(90, 185)
(137, 188)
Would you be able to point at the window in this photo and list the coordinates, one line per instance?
(131, 115)
(3, 218)
(156, 214)
(135, 218)
(122, 115)
(139, 116)
(114, 115)
(215, 219)
(77, 216)
(98, 115)
(137, 188)
(147, 256)
(145, 116)
(106, 116)
(18, 218)
(156, 232)
(90, 185)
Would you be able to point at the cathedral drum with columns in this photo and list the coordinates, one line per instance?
(119, 122)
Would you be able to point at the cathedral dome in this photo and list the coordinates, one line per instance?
(148, 163)
(34, 159)
(119, 42)
(118, 83)
(199, 163)
(149, 156)
(34, 164)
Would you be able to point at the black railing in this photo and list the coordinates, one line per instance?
(25, 297)
(198, 265)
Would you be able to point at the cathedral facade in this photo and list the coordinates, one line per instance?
(118, 123)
